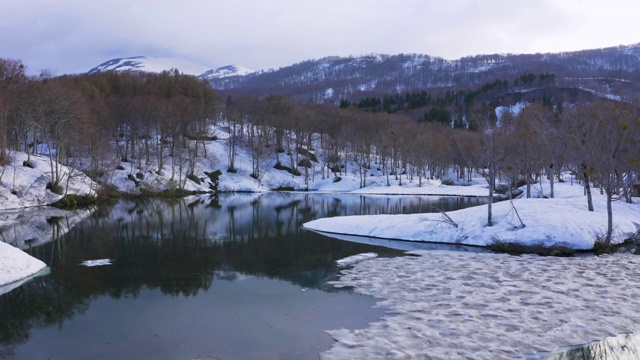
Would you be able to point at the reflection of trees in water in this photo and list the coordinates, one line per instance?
(36, 304)
(178, 246)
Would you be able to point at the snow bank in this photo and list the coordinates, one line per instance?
(354, 259)
(562, 221)
(16, 264)
(448, 304)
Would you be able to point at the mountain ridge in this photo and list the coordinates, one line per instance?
(333, 78)
(159, 64)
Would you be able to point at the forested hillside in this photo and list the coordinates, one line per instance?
(101, 121)
(613, 70)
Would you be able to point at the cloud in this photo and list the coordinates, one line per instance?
(73, 36)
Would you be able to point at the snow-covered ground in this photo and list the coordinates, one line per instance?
(464, 305)
(118, 174)
(561, 221)
(23, 186)
(453, 304)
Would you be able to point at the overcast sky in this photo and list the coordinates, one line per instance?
(72, 36)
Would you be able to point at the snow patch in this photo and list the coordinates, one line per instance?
(98, 262)
(513, 109)
(354, 259)
(16, 265)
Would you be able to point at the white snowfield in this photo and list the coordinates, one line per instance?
(463, 305)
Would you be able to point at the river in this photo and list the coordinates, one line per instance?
(228, 277)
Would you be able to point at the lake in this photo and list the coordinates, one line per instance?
(228, 277)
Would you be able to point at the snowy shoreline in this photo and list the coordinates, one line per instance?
(465, 304)
(561, 221)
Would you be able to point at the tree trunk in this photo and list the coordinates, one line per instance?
(607, 240)
(587, 188)
(552, 176)
(492, 180)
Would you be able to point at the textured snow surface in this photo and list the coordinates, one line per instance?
(16, 264)
(447, 304)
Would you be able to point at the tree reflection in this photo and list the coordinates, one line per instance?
(180, 247)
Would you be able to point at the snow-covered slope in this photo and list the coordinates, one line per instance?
(159, 64)
(226, 71)
(151, 64)
(26, 186)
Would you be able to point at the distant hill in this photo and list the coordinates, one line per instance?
(159, 64)
(614, 70)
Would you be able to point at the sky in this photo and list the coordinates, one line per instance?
(73, 36)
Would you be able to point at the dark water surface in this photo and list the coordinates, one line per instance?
(233, 277)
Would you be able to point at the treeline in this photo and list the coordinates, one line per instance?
(448, 106)
(93, 120)
(597, 142)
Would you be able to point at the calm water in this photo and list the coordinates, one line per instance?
(233, 277)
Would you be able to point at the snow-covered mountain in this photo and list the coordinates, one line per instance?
(159, 64)
(151, 64)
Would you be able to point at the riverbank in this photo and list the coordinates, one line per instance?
(563, 221)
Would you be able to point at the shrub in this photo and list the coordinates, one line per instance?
(55, 188)
(279, 166)
(215, 179)
(519, 249)
(448, 182)
(73, 202)
(194, 178)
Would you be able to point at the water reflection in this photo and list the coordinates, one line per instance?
(189, 249)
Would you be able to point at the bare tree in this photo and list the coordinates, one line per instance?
(609, 140)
